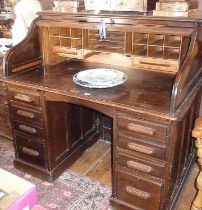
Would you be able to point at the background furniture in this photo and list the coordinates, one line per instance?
(197, 133)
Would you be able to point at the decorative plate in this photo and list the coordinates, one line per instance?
(99, 78)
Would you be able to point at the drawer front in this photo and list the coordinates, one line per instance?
(136, 164)
(28, 129)
(24, 114)
(138, 191)
(133, 5)
(29, 150)
(141, 127)
(142, 147)
(3, 89)
(24, 96)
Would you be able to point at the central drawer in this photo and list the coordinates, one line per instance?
(139, 191)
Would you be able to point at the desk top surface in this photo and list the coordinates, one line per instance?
(143, 89)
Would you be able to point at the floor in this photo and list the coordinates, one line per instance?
(96, 164)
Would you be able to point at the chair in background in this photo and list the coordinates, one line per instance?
(197, 133)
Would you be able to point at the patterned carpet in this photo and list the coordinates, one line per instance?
(70, 191)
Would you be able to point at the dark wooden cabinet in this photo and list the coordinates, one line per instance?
(149, 117)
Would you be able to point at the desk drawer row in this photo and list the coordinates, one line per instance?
(140, 161)
(28, 128)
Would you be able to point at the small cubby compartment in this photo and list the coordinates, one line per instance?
(65, 42)
(171, 53)
(53, 31)
(76, 33)
(140, 38)
(173, 41)
(140, 50)
(114, 42)
(155, 51)
(156, 39)
(55, 41)
(64, 32)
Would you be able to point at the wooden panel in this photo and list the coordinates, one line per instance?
(138, 191)
(29, 150)
(141, 127)
(141, 146)
(88, 118)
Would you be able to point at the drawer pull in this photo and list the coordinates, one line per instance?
(139, 166)
(23, 98)
(137, 192)
(31, 152)
(25, 114)
(141, 148)
(141, 129)
(27, 129)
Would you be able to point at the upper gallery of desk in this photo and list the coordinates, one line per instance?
(161, 57)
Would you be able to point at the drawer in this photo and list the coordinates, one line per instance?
(24, 96)
(145, 147)
(137, 164)
(25, 114)
(141, 127)
(28, 129)
(138, 191)
(3, 89)
(29, 150)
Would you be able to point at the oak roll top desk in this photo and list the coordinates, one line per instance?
(152, 113)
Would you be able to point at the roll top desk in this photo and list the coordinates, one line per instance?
(152, 113)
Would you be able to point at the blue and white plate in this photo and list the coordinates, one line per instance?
(100, 78)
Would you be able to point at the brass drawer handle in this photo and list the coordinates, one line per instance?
(139, 166)
(25, 114)
(141, 129)
(23, 98)
(31, 152)
(141, 148)
(27, 129)
(137, 192)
